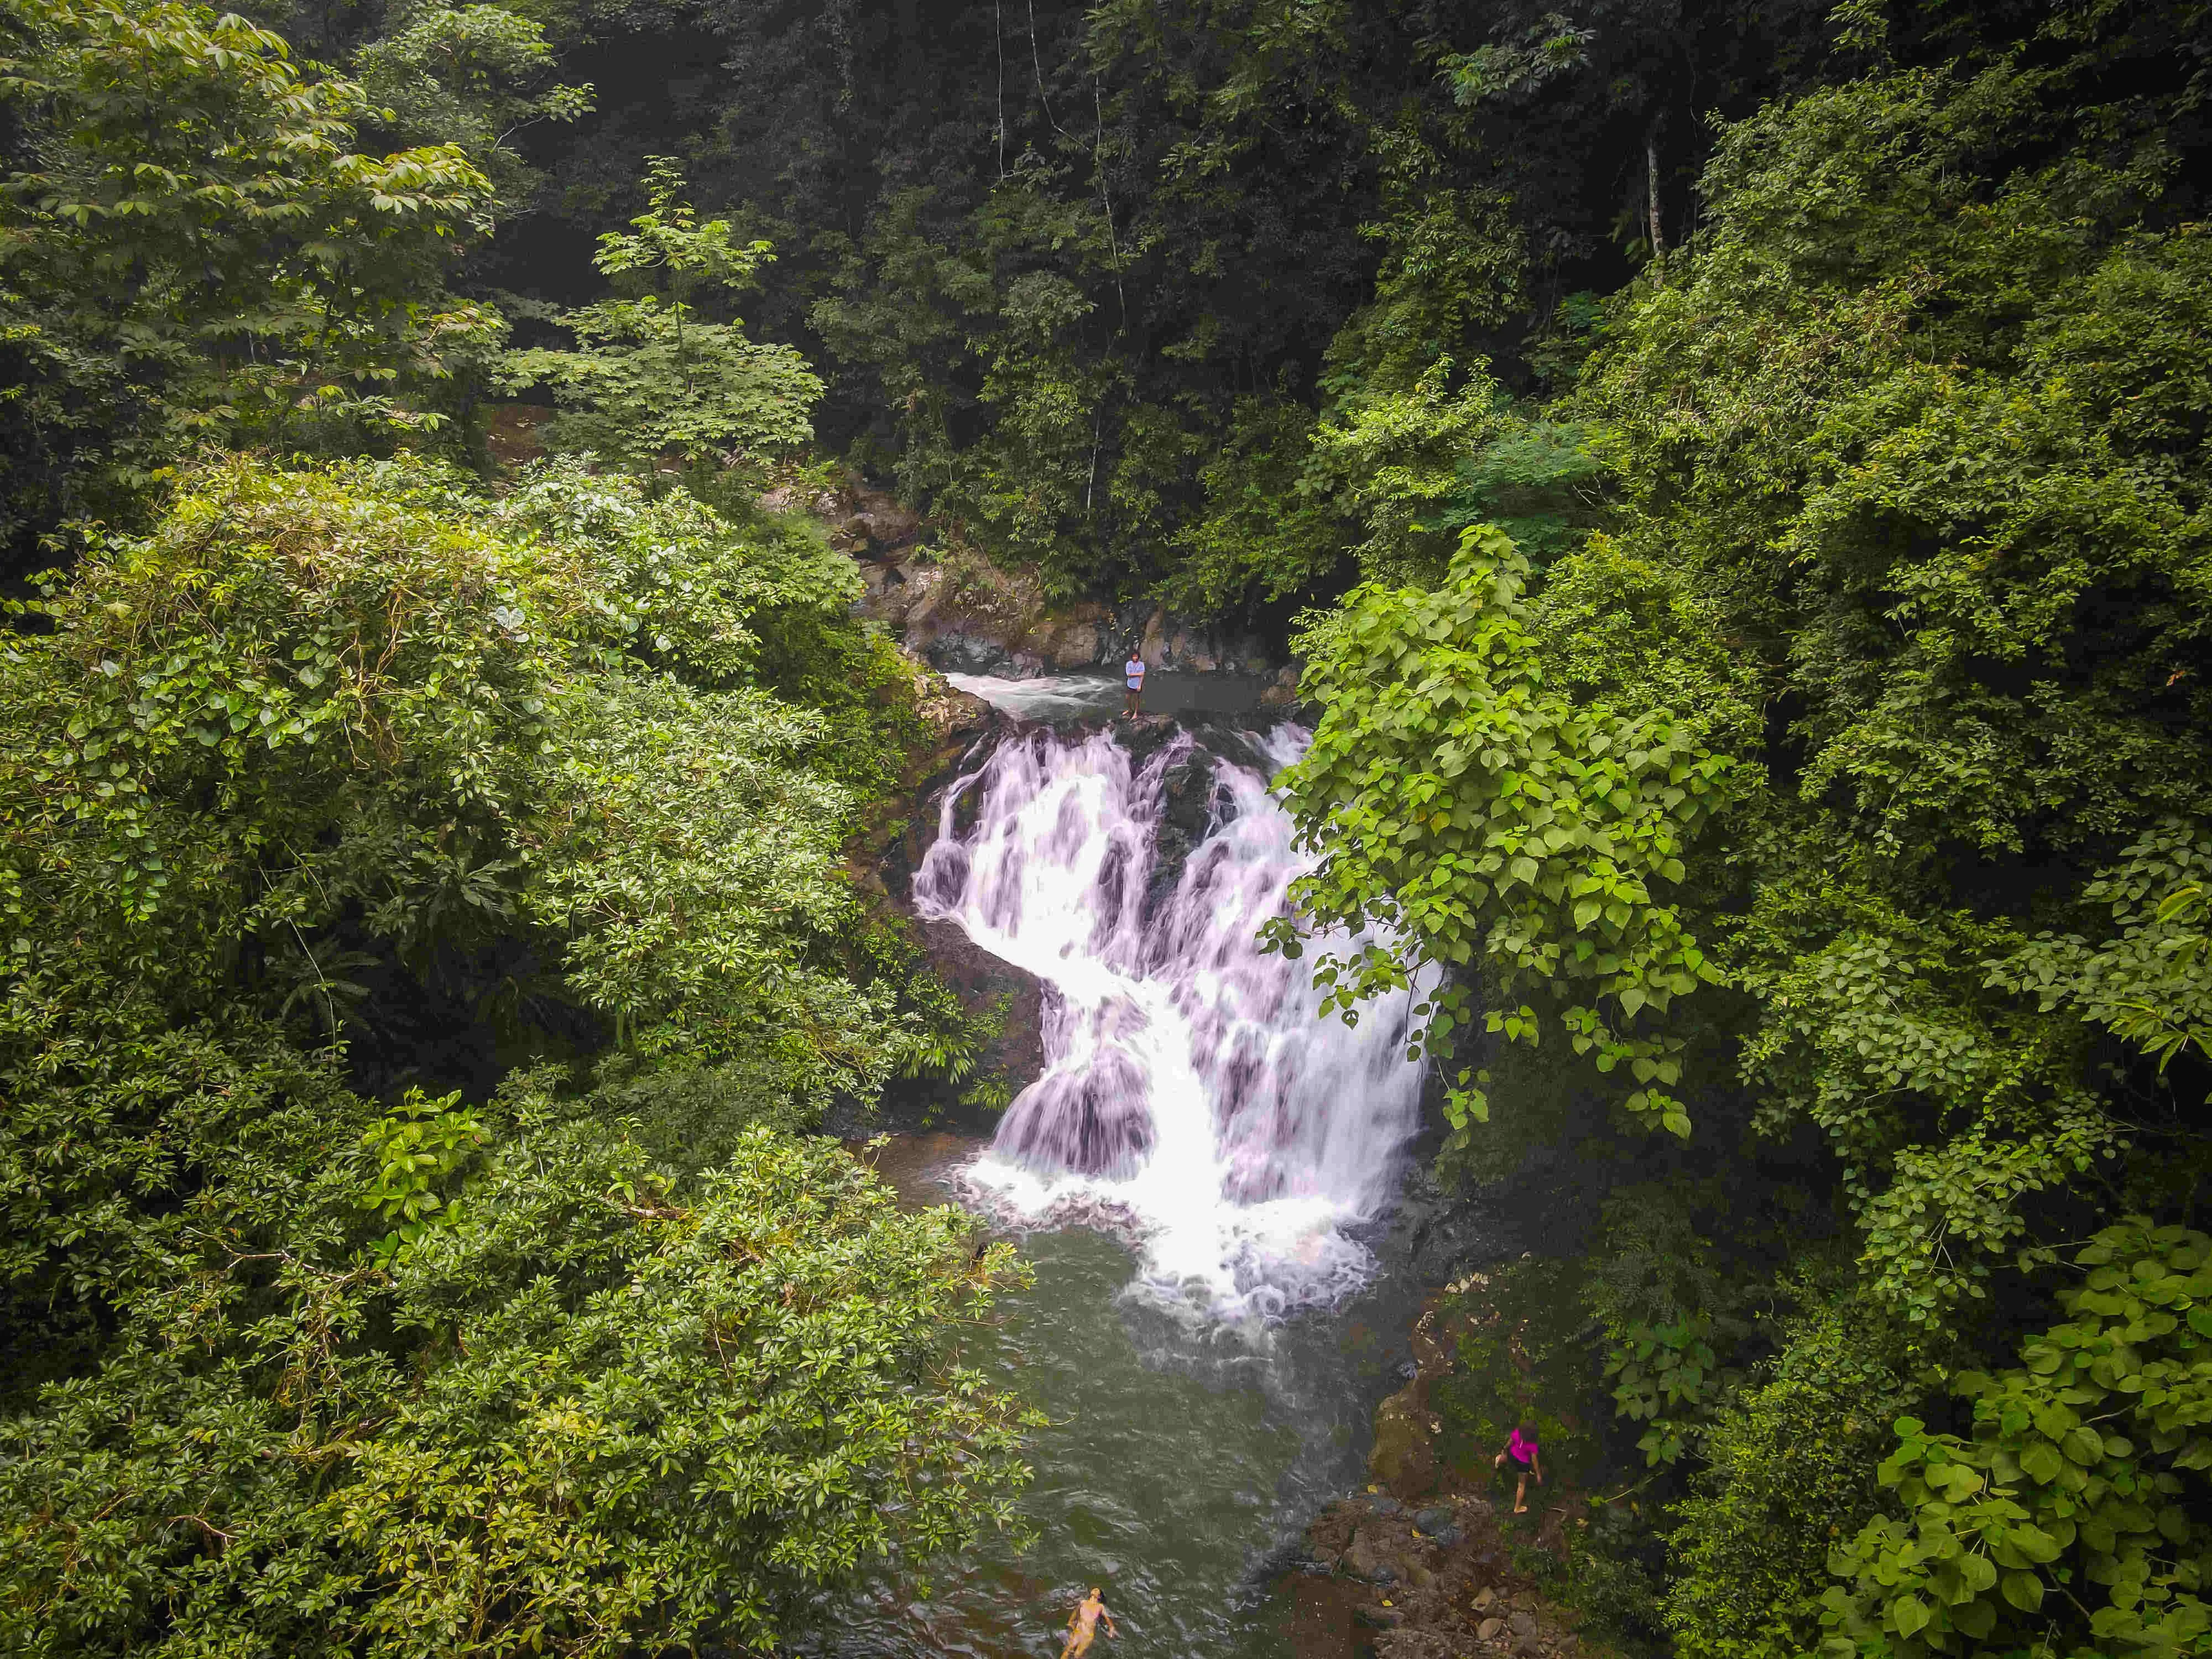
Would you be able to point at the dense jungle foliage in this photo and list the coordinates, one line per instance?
(427, 922)
(1735, 477)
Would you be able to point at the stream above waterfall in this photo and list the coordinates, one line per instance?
(1058, 699)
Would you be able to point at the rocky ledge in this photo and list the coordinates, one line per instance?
(1429, 1563)
(959, 729)
(1434, 1581)
(952, 606)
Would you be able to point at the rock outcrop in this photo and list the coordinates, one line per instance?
(1435, 1582)
(1423, 1563)
(966, 617)
(950, 605)
(1404, 1458)
(883, 860)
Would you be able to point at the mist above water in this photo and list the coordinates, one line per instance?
(1193, 1095)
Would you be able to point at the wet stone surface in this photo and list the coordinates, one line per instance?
(1397, 1584)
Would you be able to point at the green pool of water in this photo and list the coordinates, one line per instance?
(1181, 1457)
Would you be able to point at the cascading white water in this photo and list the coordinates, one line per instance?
(1191, 1085)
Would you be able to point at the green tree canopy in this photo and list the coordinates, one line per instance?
(193, 249)
(1906, 547)
(567, 1369)
(649, 374)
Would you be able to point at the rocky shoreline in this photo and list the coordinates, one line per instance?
(1429, 1563)
(1436, 1582)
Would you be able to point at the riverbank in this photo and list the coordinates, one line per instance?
(1386, 1580)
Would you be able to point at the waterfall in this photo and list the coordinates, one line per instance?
(1193, 1091)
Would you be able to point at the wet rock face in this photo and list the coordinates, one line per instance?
(1190, 801)
(1016, 633)
(1078, 644)
(1432, 1584)
(1147, 735)
(1187, 794)
(1403, 1459)
(885, 860)
(1283, 693)
(967, 653)
(966, 806)
(984, 983)
(981, 620)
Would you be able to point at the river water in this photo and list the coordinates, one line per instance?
(1181, 1459)
(1200, 1179)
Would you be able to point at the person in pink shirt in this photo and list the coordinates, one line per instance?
(1520, 1446)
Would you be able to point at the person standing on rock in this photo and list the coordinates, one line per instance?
(1520, 1446)
(1132, 674)
(1083, 1624)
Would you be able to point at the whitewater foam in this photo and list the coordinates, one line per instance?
(1193, 1094)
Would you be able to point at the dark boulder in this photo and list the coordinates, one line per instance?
(1144, 736)
(968, 653)
(1187, 794)
(1365, 1560)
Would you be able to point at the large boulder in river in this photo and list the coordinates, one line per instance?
(1403, 1460)
(1188, 789)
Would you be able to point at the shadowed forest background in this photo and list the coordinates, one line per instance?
(1734, 477)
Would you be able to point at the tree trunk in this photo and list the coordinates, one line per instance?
(1651, 191)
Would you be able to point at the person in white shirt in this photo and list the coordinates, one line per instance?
(1133, 673)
